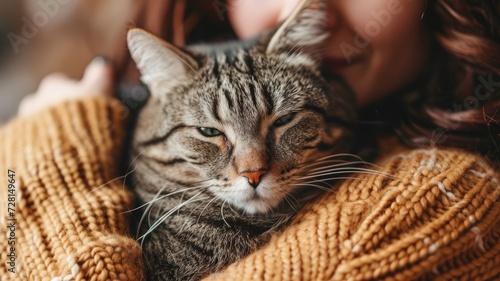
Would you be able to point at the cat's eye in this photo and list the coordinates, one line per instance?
(284, 120)
(209, 132)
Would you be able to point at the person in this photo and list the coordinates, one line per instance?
(428, 69)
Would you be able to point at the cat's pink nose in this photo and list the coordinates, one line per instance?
(254, 176)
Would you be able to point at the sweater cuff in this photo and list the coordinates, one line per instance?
(71, 206)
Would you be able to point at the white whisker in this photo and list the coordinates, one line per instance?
(110, 181)
(278, 223)
(308, 165)
(295, 206)
(156, 198)
(222, 213)
(325, 180)
(318, 176)
(135, 158)
(341, 155)
(349, 170)
(192, 211)
(335, 165)
(147, 211)
(169, 213)
(311, 184)
(209, 202)
(334, 159)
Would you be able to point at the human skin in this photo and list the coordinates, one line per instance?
(377, 46)
(56, 88)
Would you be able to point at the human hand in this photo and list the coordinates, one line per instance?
(56, 88)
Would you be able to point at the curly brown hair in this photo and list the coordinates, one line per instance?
(459, 100)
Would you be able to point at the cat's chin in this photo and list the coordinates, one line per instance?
(257, 206)
(251, 201)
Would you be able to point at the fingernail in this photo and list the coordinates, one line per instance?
(101, 59)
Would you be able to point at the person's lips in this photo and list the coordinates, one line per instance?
(338, 63)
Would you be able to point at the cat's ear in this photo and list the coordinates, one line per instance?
(158, 61)
(304, 30)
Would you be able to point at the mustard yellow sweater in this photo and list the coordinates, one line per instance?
(436, 216)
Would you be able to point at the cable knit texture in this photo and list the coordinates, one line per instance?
(71, 206)
(436, 216)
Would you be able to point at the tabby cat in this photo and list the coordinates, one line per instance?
(232, 142)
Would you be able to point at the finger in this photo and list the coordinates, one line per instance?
(52, 79)
(97, 69)
(26, 105)
(98, 75)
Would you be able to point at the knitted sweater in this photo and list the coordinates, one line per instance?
(435, 217)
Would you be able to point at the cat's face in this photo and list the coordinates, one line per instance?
(245, 122)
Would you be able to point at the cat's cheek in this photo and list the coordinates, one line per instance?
(201, 150)
(294, 150)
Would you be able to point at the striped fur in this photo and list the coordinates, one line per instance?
(201, 212)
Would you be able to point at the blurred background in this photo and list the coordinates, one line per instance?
(38, 37)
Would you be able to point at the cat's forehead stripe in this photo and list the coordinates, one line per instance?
(249, 62)
(229, 100)
(215, 110)
(238, 76)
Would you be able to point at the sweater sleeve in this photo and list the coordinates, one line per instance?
(431, 215)
(65, 210)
